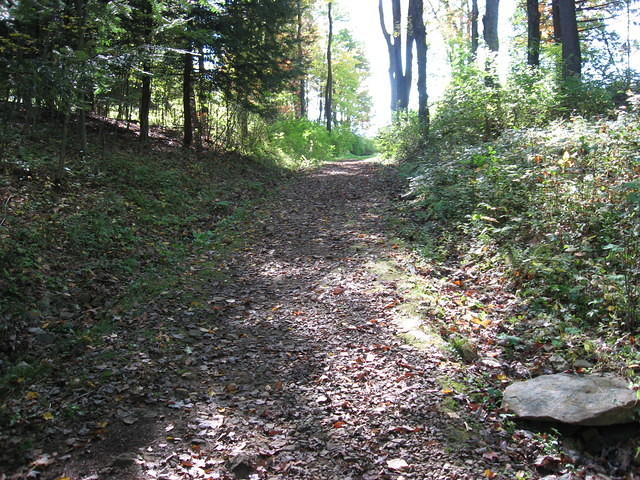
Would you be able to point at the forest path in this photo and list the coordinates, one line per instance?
(285, 363)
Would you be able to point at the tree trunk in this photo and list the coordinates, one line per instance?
(328, 101)
(490, 33)
(555, 13)
(571, 55)
(407, 76)
(533, 33)
(416, 12)
(186, 99)
(474, 28)
(302, 86)
(392, 59)
(490, 24)
(399, 77)
(145, 103)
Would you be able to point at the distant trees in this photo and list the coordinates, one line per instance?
(123, 58)
(401, 70)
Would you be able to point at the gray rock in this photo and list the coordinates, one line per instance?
(582, 364)
(595, 400)
(42, 336)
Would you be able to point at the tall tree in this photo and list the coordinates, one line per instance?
(416, 18)
(400, 73)
(490, 24)
(145, 21)
(474, 28)
(533, 33)
(571, 53)
(301, 111)
(187, 96)
(328, 99)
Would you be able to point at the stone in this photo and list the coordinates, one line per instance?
(593, 400)
(582, 364)
(42, 336)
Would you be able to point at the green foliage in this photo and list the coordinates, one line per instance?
(556, 207)
(305, 141)
(474, 109)
(403, 138)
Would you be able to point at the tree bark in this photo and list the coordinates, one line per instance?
(399, 76)
(392, 58)
(186, 99)
(490, 24)
(533, 33)
(571, 54)
(416, 15)
(145, 103)
(555, 14)
(474, 28)
(302, 84)
(328, 101)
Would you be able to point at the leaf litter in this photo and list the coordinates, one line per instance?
(288, 367)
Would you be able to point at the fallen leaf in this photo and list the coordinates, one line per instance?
(489, 473)
(43, 461)
(339, 424)
(338, 290)
(397, 464)
(31, 395)
(48, 416)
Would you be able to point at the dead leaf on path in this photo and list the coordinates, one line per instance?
(339, 424)
(231, 388)
(48, 416)
(489, 473)
(390, 305)
(31, 395)
(43, 461)
(338, 290)
(397, 464)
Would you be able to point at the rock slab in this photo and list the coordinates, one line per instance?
(595, 400)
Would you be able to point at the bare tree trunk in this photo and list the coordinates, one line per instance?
(474, 28)
(328, 102)
(533, 33)
(392, 58)
(399, 77)
(571, 54)
(490, 24)
(145, 103)
(416, 12)
(302, 87)
(557, 28)
(186, 99)
(490, 33)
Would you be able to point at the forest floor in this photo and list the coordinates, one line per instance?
(297, 355)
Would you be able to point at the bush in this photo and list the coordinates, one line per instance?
(559, 208)
(403, 138)
(302, 141)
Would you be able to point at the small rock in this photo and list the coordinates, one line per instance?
(42, 336)
(558, 362)
(582, 364)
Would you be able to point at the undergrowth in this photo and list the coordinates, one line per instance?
(118, 230)
(554, 212)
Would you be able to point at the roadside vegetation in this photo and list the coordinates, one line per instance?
(539, 200)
